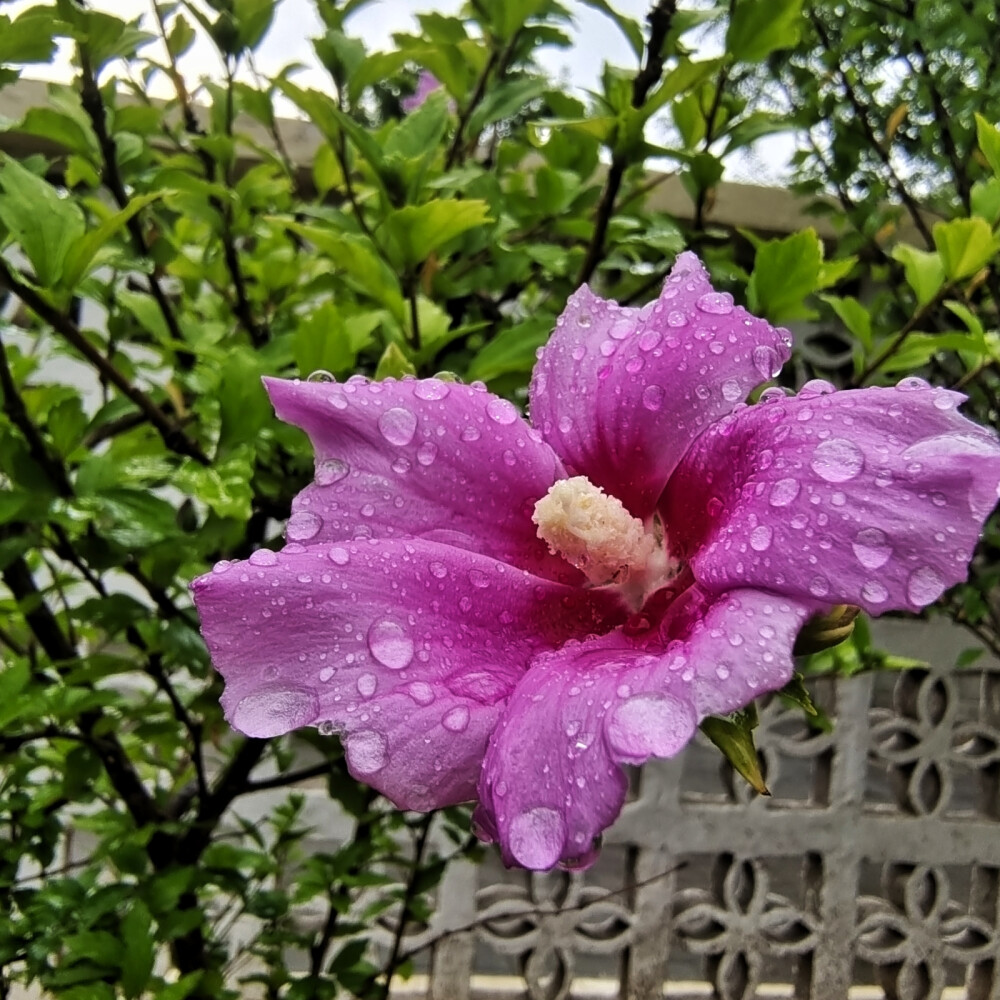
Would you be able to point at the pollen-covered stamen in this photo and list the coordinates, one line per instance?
(593, 531)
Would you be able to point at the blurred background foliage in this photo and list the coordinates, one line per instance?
(158, 257)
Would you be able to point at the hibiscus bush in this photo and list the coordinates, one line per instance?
(162, 255)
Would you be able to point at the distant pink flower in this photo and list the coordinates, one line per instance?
(427, 83)
(416, 612)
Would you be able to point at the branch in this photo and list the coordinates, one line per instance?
(93, 104)
(173, 437)
(288, 778)
(861, 112)
(659, 19)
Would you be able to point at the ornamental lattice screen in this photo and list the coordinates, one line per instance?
(873, 870)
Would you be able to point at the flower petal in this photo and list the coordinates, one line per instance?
(872, 497)
(552, 780)
(421, 458)
(621, 393)
(409, 649)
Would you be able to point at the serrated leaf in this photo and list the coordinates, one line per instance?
(418, 230)
(965, 246)
(44, 224)
(785, 273)
(923, 270)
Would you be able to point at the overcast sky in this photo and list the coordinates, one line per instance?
(597, 40)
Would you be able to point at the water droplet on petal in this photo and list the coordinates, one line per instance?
(330, 471)
(924, 586)
(731, 390)
(837, 460)
(502, 411)
(456, 720)
(263, 557)
(874, 592)
(390, 644)
(944, 401)
(478, 578)
(783, 492)
(397, 425)
(760, 538)
(320, 375)
(646, 725)
(717, 303)
(621, 328)
(652, 397)
(872, 548)
(367, 752)
(426, 453)
(421, 692)
(649, 339)
(431, 388)
(536, 837)
(911, 383)
(274, 712)
(470, 433)
(367, 683)
(302, 526)
(765, 360)
(819, 586)
(339, 556)
(676, 319)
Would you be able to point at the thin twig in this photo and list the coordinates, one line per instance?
(659, 19)
(897, 342)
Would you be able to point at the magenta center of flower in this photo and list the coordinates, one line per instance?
(594, 532)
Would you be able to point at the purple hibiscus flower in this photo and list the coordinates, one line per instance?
(427, 83)
(489, 609)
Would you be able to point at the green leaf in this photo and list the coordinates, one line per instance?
(139, 953)
(965, 246)
(988, 137)
(785, 273)
(44, 224)
(28, 38)
(853, 315)
(923, 270)
(733, 735)
(985, 200)
(327, 341)
(418, 230)
(394, 364)
(253, 19)
(81, 255)
(225, 486)
(796, 692)
(510, 16)
(512, 350)
(759, 27)
(682, 79)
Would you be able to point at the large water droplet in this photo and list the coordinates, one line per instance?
(431, 388)
(536, 838)
(390, 644)
(320, 375)
(339, 556)
(783, 492)
(676, 319)
(652, 397)
(650, 724)
(456, 720)
(367, 683)
(501, 410)
(263, 557)
(819, 586)
(872, 548)
(367, 752)
(760, 538)
(924, 586)
(717, 303)
(621, 328)
(302, 526)
(731, 390)
(426, 453)
(397, 425)
(421, 692)
(874, 592)
(330, 471)
(274, 712)
(765, 360)
(837, 460)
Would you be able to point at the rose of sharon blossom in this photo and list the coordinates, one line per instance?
(427, 83)
(489, 609)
